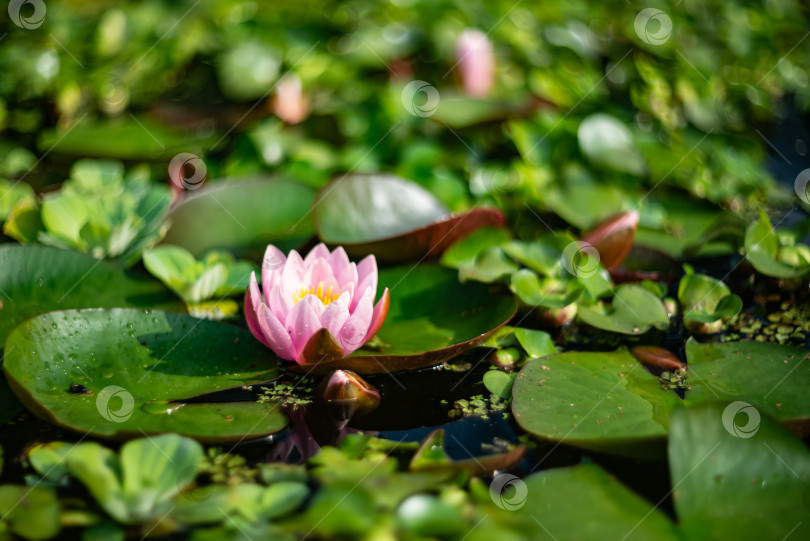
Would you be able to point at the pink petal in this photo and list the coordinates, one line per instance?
(320, 251)
(279, 302)
(335, 315)
(277, 337)
(304, 321)
(319, 270)
(367, 277)
(379, 314)
(252, 303)
(347, 278)
(292, 274)
(272, 261)
(354, 332)
(339, 262)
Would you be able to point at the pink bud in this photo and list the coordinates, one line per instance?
(476, 62)
(289, 102)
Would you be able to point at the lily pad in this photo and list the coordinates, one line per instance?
(432, 317)
(136, 363)
(242, 217)
(743, 488)
(38, 279)
(773, 377)
(605, 508)
(125, 138)
(393, 218)
(634, 310)
(603, 401)
(465, 252)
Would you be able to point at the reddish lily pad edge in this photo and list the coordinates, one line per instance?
(365, 364)
(430, 240)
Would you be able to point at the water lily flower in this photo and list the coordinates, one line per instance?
(303, 296)
(476, 62)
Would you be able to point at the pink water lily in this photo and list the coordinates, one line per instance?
(476, 62)
(321, 291)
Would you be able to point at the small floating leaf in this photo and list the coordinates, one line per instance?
(634, 310)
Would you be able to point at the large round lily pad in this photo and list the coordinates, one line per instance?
(432, 317)
(605, 508)
(773, 377)
(603, 401)
(748, 487)
(135, 363)
(37, 279)
(243, 217)
(392, 218)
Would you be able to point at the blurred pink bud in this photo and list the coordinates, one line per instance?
(303, 296)
(289, 102)
(476, 62)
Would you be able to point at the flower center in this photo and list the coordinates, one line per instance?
(326, 297)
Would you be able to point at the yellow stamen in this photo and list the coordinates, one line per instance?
(325, 297)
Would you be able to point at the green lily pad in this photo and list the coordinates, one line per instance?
(773, 377)
(242, 217)
(393, 218)
(38, 279)
(136, 363)
(603, 401)
(362, 208)
(432, 317)
(743, 488)
(634, 310)
(465, 252)
(605, 508)
(125, 138)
